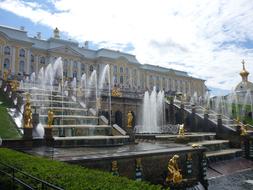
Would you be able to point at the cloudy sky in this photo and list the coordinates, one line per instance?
(206, 38)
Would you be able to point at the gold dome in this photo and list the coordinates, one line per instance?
(244, 73)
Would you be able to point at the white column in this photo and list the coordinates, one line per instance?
(13, 60)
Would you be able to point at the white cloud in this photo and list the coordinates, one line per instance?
(198, 36)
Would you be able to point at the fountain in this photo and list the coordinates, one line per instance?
(153, 111)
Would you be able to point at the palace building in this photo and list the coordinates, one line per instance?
(23, 55)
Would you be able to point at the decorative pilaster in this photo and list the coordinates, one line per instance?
(28, 62)
(71, 69)
(13, 61)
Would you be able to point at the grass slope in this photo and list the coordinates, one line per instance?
(8, 129)
(67, 176)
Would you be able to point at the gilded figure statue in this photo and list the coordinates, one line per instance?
(174, 173)
(130, 119)
(27, 113)
(14, 85)
(181, 131)
(50, 119)
(243, 130)
(6, 74)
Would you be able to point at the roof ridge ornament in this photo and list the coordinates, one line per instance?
(56, 33)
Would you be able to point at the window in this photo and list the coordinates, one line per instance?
(127, 71)
(65, 68)
(74, 74)
(121, 80)
(21, 66)
(32, 58)
(75, 65)
(115, 79)
(83, 68)
(22, 53)
(7, 50)
(31, 69)
(115, 69)
(121, 69)
(91, 68)
(6, 64)
(42, 60)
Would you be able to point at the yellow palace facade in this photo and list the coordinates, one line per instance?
(23, 55)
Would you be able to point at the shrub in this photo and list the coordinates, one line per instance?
(67, 176)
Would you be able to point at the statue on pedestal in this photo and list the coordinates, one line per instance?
(50, 119)
(174, 173)
(130, 119)
(6, 74)
(181, 130)
(243, 130)
(27, 113)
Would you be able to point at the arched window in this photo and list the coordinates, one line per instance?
(32, 58)
(121, 69)
(121, 80)
(75, 74)
(75, 65)
(83, 68)
(6, 63)
(42, 60)
(7, 50)
(65, 68)
(22, 53)
(31, 68)
(21, 66)
(91, 68)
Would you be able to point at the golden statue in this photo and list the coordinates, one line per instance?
(196, 145)
(6, 74)
(50, 118)
(115, 170)
(138, 163)
(243, 130)
(181, 130)
(130, 119)
(14, 85)
(237, 121)
(116, 92)
(27, 113)
(174, 174)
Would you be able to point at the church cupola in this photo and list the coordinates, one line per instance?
(244, 73)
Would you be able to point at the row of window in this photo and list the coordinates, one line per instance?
(7, 65)
(7, 51)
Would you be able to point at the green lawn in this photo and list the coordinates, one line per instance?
(8, 129)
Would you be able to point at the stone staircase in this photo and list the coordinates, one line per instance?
(227, 122)
(74, 123)
(218, 150)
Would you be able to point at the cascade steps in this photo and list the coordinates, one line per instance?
(74, 124)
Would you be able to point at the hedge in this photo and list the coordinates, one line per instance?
(68, 176)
